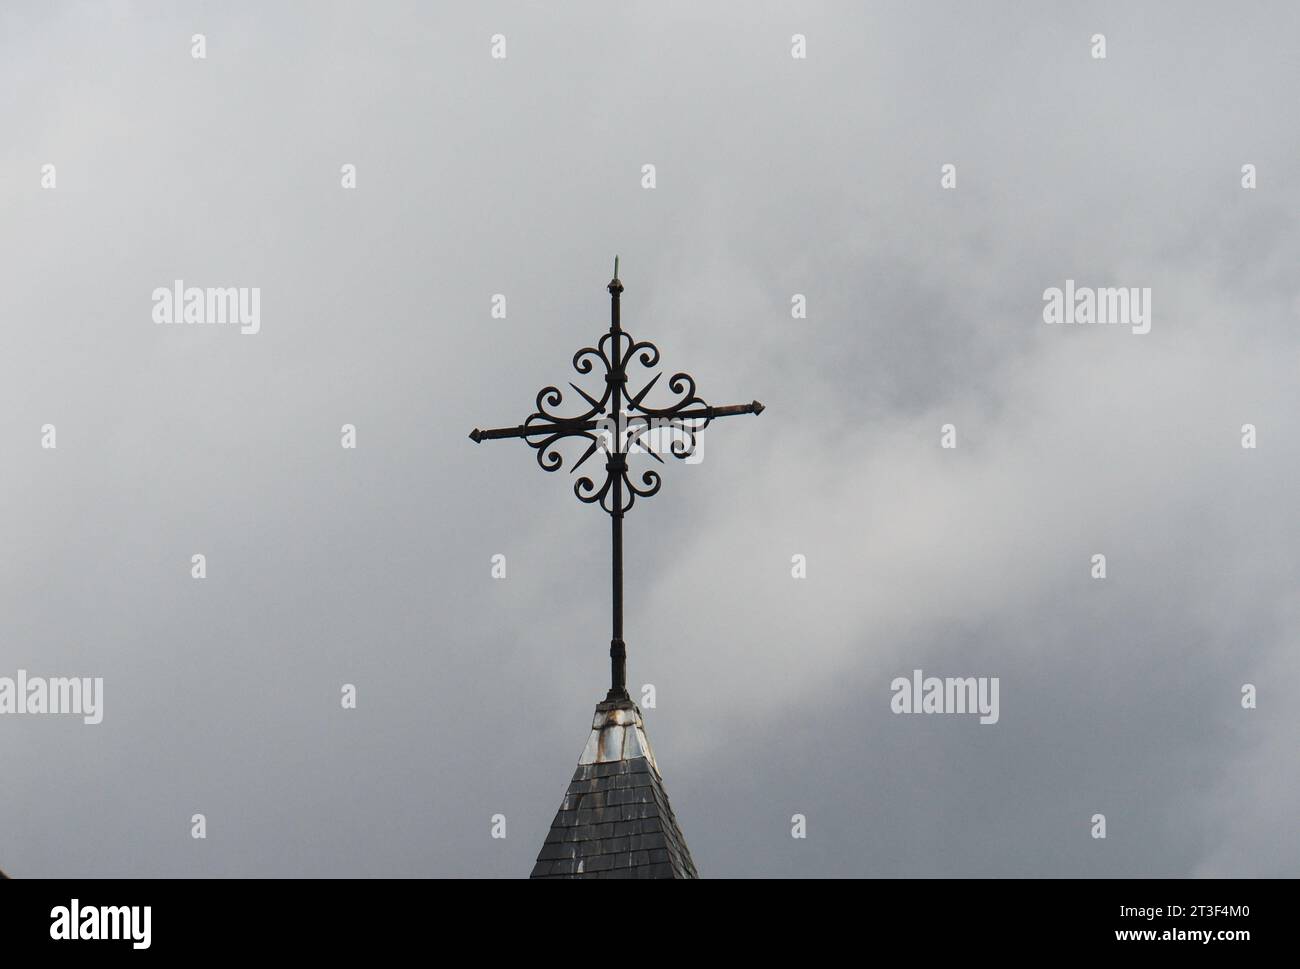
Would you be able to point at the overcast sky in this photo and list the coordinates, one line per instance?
(775, 176)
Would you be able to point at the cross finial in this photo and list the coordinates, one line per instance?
(619, 423)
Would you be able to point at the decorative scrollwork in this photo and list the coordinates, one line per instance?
(617, 422)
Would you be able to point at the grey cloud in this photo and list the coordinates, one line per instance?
(476, 177)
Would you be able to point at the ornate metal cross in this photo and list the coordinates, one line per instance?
(617, 423)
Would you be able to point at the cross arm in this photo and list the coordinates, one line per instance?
(545, 430)
(753, 407)
(536, 430)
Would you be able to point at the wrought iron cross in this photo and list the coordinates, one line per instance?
(617, 423)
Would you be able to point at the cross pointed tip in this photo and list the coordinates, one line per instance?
(758, 408)
(476, 435)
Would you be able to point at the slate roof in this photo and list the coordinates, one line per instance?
(615, 820)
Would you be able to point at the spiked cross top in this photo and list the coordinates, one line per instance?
(617, 422)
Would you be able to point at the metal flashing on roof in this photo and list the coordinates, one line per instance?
(615, 820)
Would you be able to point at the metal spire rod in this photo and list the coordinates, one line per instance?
(615, 422)
(616, 466)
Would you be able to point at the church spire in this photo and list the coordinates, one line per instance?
(616, 797)
(615, 820)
